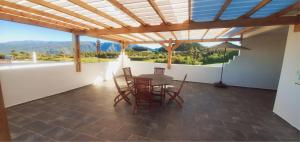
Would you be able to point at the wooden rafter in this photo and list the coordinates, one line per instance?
(39, 12)
(249, 13)
(174, 35)
(256, 8)
(190, 16)
(223, 32)
(243, 31)
(149, 37)
(206, 31)
(98, 12)
(161, 36)
(286, 10)
(137, 37)
(125, 38)
(38, 18)
(68, 12)
(224, 7)
(127, 11)
(190, 10)
(188, 41)
(28, 21)
(130, 14)
(249, 22)
(158, 12)
(110, 37)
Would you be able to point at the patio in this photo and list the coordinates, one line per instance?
(211, 113)
(38, 111)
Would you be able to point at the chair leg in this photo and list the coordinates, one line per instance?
(182, 101)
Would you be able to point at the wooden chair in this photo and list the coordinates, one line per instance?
(174, 93)
(122, 93)
(159, 70)
(143, 93)
(128, 76)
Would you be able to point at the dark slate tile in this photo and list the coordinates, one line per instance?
(208, 114)
(39, 127)
(31, 137)
(16, 131)
(60, 134)
(84, 138)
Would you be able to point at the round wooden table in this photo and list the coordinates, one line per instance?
(158, 80)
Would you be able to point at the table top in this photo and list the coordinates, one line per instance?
(158, 79)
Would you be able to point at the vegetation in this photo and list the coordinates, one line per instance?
(192, 54)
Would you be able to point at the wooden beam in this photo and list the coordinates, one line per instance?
(127, 11)
(125, 37)
(28, 21)
(286, 20)
(158, 12)
(256, 8)
(4, 128)
(42, 13)
(38, 18)
(297, 28)
(286, 10)
(221, 11)
(97, 11)
(187, 41)
(76, 48)
(68, 12)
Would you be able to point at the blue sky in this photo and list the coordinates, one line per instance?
(11, 31)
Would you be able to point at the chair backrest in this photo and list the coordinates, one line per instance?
(159, 70)
(127, 71)
(182, 83)
(116, 83)
(142, 86)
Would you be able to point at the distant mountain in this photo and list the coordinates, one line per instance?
(54, 47)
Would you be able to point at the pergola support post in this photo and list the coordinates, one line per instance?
(76, 48)
(297, 28)
(4, 129)
(124, 45)
(169, 49)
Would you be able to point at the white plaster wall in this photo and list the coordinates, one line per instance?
(26, 84)
(204, 74)
(259, 67)
(287, 103)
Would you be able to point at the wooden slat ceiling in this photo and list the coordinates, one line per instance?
(147, 21)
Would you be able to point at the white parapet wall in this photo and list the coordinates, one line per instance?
(287, 103)
(30, 82)
(196, 73)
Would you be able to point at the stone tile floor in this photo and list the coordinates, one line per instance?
(208, 114)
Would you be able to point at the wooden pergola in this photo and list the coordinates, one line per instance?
(166, 22)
